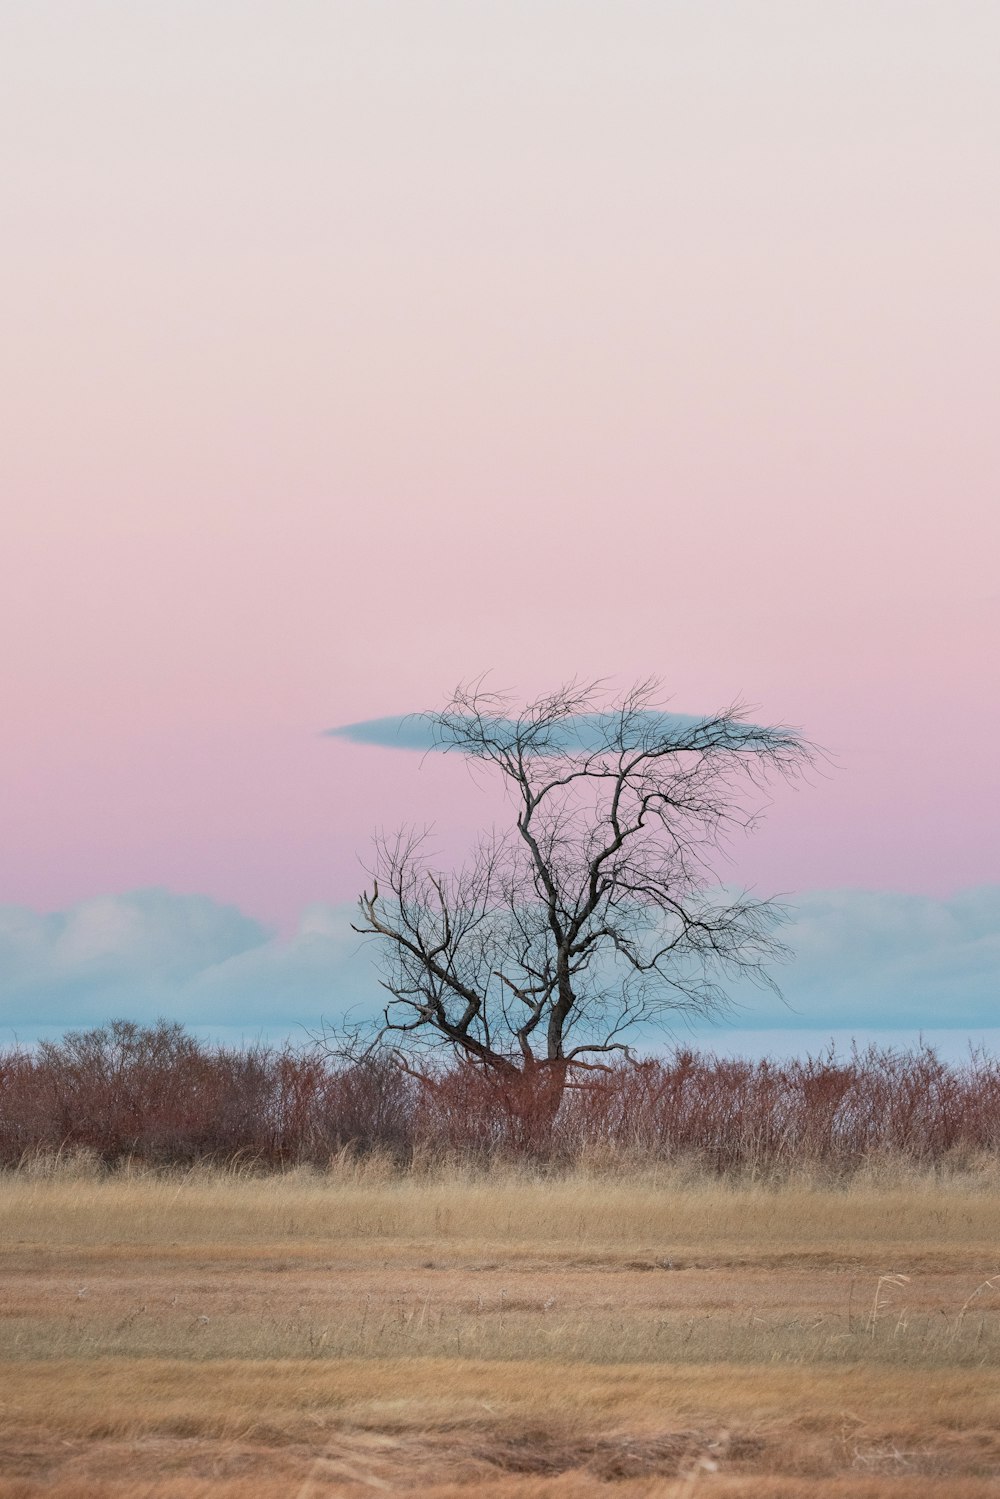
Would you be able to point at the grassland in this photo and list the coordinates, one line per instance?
(653, 1332)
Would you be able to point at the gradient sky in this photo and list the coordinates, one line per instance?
(353, 348)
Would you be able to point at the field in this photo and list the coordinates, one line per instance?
(362, 1330)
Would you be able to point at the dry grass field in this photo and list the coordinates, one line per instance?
(354, 1332)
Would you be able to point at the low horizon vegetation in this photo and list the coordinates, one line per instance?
(157, 1096)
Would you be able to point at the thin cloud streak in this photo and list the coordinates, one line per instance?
(581, 733)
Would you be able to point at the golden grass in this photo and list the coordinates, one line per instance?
(659, 1334)
(611, 1215)
(393, 1423)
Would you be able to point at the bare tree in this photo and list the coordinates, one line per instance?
(598, 911)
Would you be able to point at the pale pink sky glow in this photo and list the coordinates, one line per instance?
(353, 349)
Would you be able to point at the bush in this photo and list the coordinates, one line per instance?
(157, 1095)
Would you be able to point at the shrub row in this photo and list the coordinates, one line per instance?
(159, 1095)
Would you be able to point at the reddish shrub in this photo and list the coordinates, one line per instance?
(157, 1094)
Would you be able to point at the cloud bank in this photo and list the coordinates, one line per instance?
(864, 961)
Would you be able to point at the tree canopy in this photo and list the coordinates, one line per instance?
(598, 911)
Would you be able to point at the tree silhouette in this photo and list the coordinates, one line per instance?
(598, 910)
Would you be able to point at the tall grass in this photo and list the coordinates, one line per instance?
(160, 1096)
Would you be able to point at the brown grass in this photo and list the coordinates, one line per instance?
(361, 1331)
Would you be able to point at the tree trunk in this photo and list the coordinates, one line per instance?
(531, 1102)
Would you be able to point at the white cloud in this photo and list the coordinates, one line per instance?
(866, 962)
(129, 952)
(880, 958)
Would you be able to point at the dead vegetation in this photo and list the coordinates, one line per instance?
(445, 1426)
(158, 1096)
(509, 1333)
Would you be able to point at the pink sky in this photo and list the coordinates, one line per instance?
(350, 350)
